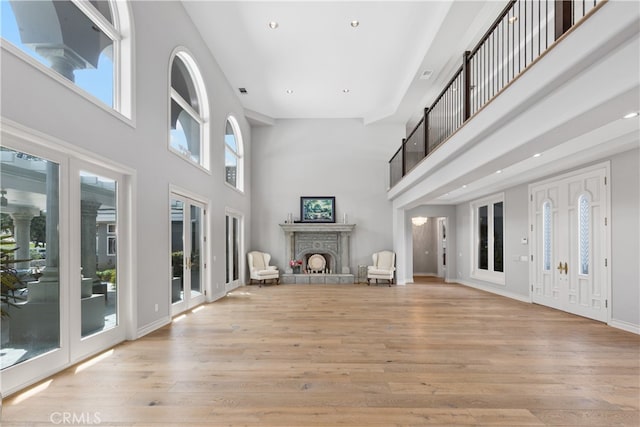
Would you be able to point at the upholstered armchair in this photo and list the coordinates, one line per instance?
(383, 267)
(259, 268)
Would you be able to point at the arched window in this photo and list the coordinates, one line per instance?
(584, 226)
(546, 236)
(188, 134)
(86, 42)
(233, 153)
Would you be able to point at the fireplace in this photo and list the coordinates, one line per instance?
(330, 241)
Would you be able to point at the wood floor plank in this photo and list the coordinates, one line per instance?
(352, 355)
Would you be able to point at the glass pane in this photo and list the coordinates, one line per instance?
(104, 7)
(498, 233)
(236, 248)
(483, 238)
(230, 137)
(230, 167)
(196, 250)
(60, 36)
(227, 247)
(584, 219)
(182, 83)
(546, 236)
(99, 290)
(177, 250)
(185, 133)
(29, 212)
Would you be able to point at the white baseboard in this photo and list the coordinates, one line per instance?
(147, 329)
(625, 326)
(501, 292)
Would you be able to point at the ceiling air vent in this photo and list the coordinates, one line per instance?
(426, 74)
(242, 90)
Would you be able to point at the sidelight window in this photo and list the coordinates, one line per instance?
(584, 219)
(546, 236)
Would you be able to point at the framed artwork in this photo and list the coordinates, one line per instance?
(318, 209)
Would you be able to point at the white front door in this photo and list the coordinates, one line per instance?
(569, 243)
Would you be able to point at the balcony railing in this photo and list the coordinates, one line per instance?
(522, 32)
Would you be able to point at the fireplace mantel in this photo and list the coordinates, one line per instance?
(317, 227)
(304, 238)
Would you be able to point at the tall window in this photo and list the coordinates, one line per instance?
(233, 153)
(86, 42)
(189, 111)
(488, 231)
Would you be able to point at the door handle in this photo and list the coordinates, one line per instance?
(559, 267)
(566, 268)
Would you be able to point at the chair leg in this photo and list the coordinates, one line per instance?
(368, 281)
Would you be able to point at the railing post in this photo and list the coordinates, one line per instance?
(425, 123)
(404, 172)
(466, 82)
(563, 16)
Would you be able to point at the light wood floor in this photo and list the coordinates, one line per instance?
(353, 355)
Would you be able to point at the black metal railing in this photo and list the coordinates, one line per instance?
(522, 32)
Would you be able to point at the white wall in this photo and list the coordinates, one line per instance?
(323, 157)
(625, 238)
(37, 101)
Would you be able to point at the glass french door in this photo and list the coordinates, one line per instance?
(61, 224)
(96, 289)
(187, 253)
(233, 225)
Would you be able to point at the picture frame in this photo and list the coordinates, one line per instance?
(318, 209)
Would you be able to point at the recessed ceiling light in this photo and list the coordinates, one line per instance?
(464, 186)
(355, 23)
(513, 19)
(273, 25)
(499, 171)
(537, 155)
(289, 91)
(346, 90)
(632, 115)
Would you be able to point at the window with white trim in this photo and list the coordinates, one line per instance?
(188, 133)
(87, 43)
(488, 239)
(233, 153)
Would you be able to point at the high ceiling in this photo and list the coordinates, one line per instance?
(316, 64)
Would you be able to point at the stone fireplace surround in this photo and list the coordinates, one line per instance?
(327, 239)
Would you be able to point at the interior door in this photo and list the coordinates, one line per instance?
(188, 260)
(569, 243)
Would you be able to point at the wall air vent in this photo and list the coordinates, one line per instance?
(242, 90)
